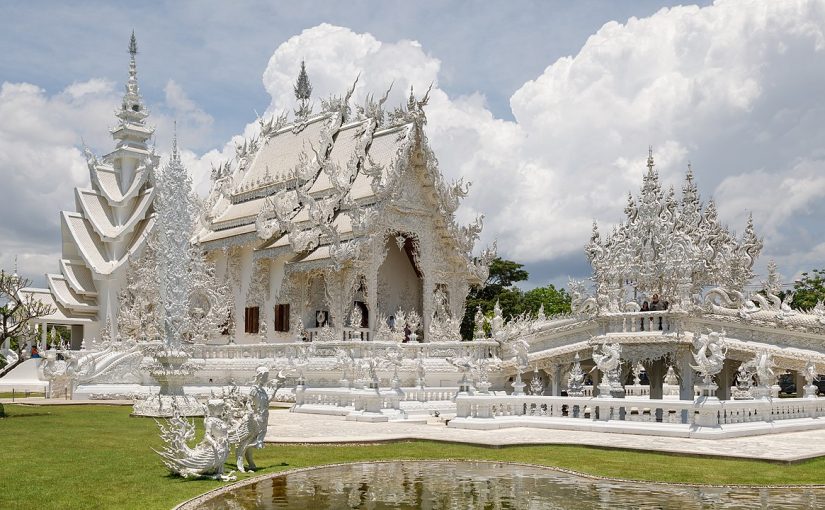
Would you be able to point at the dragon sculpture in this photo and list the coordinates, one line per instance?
(710, 355)
(207, 458)
(609, 359)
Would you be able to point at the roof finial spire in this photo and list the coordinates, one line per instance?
(132, 109)
(175, 153)
(649, 158)
(303, 90)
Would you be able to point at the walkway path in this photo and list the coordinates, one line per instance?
(286, 427)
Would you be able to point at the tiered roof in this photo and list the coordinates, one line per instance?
(313, 187)
(114, 217)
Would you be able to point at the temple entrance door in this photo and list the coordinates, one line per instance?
(400, 284)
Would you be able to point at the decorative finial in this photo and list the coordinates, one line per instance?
(650, 158)
(175, 154)
(133, 44)
(303, 91)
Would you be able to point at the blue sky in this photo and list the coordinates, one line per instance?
(217, 50)
(548, 107)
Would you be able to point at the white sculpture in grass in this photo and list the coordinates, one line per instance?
(251, 417)
(207, 458)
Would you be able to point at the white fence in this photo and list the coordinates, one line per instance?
(685, 418)
(476, 349)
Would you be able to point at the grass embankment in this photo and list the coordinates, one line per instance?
(99, 457)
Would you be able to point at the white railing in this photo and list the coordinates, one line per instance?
(336, 397)
(476, 349)
(429, 394)
(347, 335)
(638, 410)
(634, 322)
(343, 397)
(574, 408)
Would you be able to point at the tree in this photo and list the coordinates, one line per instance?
(500, 287)
(809, 290)
(553, 300)
(18, 309)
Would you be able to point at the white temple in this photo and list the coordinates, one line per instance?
(341, 223)
(328, 247)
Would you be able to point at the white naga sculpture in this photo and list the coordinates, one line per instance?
(765, 376)
(608, 362)
(536, 383)
(811, 376)
(206, 460)
(464, 365)
(709, 358)
(250, 415)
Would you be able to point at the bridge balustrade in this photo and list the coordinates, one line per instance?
(637, 410)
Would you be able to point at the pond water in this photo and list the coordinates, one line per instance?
(463, 485)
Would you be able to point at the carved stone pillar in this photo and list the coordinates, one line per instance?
(655, 374)
(556, 373)
(371, 284)
(686, 374)
(427, 288)
(725, 379)
(597, 379)
(799, 381)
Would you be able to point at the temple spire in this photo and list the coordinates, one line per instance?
(175, 153)
(132, 109)
(303, 91)
(650, 158)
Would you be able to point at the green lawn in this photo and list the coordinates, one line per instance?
(21, 394)
(99, 457)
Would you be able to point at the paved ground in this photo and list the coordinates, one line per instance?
(286, 427)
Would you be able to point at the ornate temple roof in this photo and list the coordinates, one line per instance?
(665, 244)
(310, 186)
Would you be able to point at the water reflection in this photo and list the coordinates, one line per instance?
(462, 485)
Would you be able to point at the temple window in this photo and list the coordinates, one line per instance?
(251, 324)
(282, 317)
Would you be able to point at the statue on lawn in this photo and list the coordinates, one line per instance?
(207, 458)
(250, 417)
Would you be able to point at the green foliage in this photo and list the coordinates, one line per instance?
(500, 286)
(103, 459)
(809, 290)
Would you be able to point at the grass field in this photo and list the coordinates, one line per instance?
(21, 394)
(98, 457)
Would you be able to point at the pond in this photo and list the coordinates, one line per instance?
(462, 485)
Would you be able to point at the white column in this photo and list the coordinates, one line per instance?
(557, 371)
